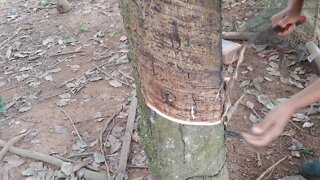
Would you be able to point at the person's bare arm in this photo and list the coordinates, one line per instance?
(308, 96)
(275, 122)
(295, 5)
(289, 15)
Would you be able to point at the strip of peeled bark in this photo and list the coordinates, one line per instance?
(176, 52)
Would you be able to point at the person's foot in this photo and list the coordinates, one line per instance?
(310, 169)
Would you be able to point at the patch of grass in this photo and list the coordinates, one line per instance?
(265, 3)
(82, 27)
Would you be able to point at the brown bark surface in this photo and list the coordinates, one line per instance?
(176, 50)
(178, 54)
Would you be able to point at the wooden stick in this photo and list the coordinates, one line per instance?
(66, 53)
(126, 75)
(80, 155)
(54, 95)
(238, 35)
(25, 120)
(296, 126)
(10, 38)
(13, 102)
(271, 168)
(121, 172)
(137, 167)
(241, 59)
(9, 88)
(109, 76)
(101, 139)
(10, 143)
(74, 127)
(259, 159)
(88, 175)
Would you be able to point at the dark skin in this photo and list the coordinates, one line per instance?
(275, 122)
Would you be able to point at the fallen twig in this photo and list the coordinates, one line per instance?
(74, 127)
(126, 75)
(259, 159)
(121, 172)
(25, 120)
(9, 105)
(54, 95)
(5, 119)
(109, 76)
(271, 168)
(10, 38)
(101, 139)
(230, 111)
(238, 35)
(113, 64)
(137, 167)
(63, 159)
(104, 65)
(11, 142)
(9, 88)
(89, 119)
(80, 155)
(88, 175)
(66, 53)
(296, 126)
(241, 59)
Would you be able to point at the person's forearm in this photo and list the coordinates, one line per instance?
(306, 97)
(295, 5)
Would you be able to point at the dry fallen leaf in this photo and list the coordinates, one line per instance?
(273, 58)
(254, 119)
(249, 104)
(115, 83)
(289, 133)
(14, 160)
(307, 125)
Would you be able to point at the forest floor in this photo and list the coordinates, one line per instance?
(66, 73)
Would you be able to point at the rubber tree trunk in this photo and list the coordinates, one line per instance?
(176, 52)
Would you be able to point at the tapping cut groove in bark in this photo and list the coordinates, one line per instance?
(180, 82)
(178, 60)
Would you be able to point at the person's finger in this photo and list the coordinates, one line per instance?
(275, 20)
(288, 31)
(263, 126)
(262, 140)
(284, 21)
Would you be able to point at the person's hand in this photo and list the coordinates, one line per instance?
(271, 127)
(285, 17)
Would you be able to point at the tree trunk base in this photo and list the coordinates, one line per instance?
(177, 151)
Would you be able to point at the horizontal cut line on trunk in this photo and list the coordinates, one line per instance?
(186, 122)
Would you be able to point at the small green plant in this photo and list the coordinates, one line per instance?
(82, 27)
(265, 3)
(112, 34)
(69, 40)
(11, 10)
(3, 104)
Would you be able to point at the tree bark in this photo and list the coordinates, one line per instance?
(176, 52)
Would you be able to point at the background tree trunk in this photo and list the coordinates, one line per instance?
(176, 51)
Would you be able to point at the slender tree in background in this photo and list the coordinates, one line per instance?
(176, 52)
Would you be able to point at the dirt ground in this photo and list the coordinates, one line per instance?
(49, 90)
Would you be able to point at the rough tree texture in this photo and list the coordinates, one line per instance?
(176, 50)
